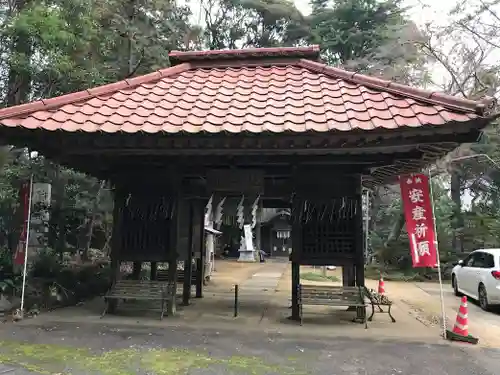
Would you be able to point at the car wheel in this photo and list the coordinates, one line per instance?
(454, 283)
(483, 298)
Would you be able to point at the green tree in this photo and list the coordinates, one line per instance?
(252, 23)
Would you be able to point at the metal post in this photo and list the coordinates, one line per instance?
(443, 313)
(236, 287)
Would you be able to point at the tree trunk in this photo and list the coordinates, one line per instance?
(57, 234)
(130, 38)
(396, 229)
(19, 81)
(18, 92)
(458, 219)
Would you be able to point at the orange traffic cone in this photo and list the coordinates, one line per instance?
(462, 322)
(461, 328)
(381, 285)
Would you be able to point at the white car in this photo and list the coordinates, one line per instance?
(478, 276)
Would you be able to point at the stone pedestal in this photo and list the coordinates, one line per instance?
(247, 251)
(247, 256)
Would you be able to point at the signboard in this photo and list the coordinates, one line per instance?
(42, 193)
(40, 200)
(419, 219)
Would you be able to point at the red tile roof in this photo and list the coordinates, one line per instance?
(255, 90)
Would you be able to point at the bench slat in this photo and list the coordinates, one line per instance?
(329, 287)
(326, 300)
(140, 289)
(330, 295)
(332, 303)
(134, 296)
(321, 295)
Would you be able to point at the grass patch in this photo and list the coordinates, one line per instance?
(55, 359)
(373, 273)
(313, 276)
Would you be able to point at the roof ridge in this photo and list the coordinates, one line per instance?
(481, 107)
(74, 97)
(311, 52)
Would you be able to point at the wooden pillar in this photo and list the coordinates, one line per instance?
(258, 228)
(271, 242)
(188, 263)
(295, 286)
(115, 275)
(116, 242)
(200, 275)
(349, 279)
(154, 271)
(136, 270)
(360, 243)
(172, 281)
(296, 256)
(173, 251)
(348, 275)
(199, 243)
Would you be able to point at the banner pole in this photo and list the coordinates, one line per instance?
(438, 258)
(25, 267)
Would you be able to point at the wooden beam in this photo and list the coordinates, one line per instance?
(101, 155)
(245, 161)
(164, 140)
(179, 143)
(276, 203)
(79, 144)
(381, 147)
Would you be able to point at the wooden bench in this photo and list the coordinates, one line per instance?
(320, 295)
(379, 301)
(139, 290)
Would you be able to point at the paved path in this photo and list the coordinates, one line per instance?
(259, 290)
(266, 279)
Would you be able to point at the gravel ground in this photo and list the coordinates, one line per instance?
(104, 350)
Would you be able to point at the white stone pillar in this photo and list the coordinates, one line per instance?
(247, 250)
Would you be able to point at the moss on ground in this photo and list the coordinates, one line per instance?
(55, 359)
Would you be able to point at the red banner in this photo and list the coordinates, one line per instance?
(24, 198)
(417, 207)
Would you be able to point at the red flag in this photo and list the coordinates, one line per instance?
(417, 208)
(24, 197)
